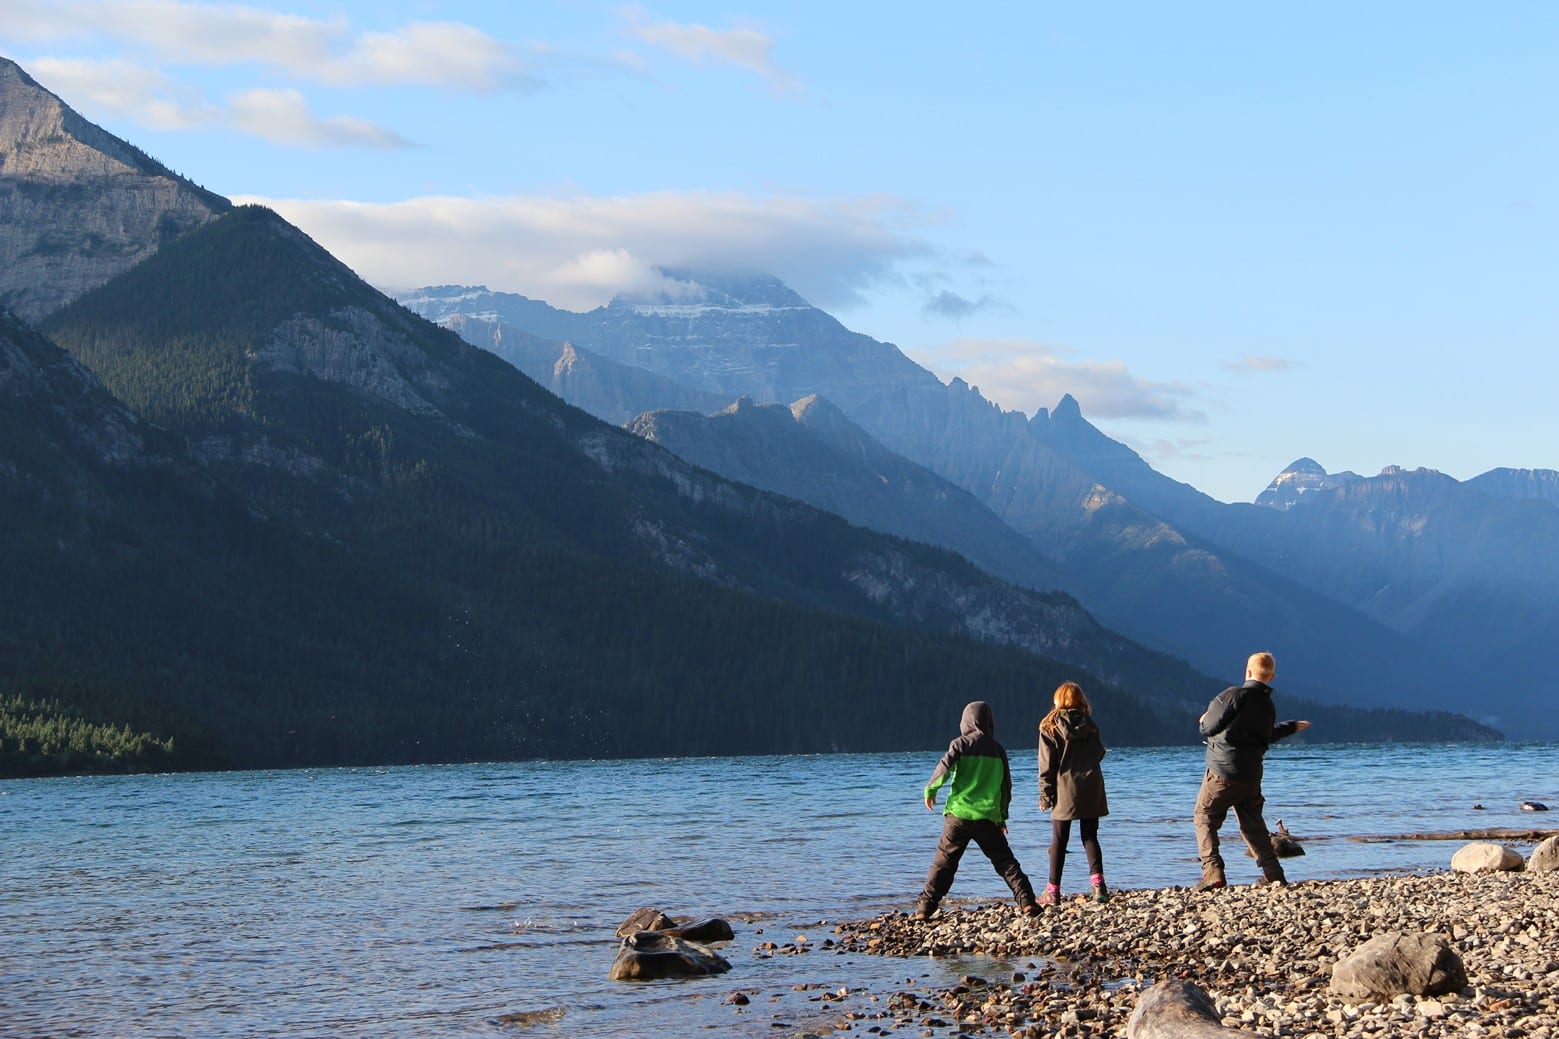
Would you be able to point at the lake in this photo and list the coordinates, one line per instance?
(443, 901)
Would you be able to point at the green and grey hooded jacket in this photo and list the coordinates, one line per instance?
(976, 767)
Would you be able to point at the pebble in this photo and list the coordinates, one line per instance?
(1264, 956)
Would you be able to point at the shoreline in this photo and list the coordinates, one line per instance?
(1264, 956)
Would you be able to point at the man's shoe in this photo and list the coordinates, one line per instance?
(924, 911)
(1211, 879)
(1101, 893)
(1029, 908)
(1271, 882)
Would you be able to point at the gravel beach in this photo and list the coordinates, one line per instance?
(1264, 955)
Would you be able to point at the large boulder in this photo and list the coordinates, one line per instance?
(646, 919)
(1176, 1009)
(652, 955)
(1390, 964)
(704, 932)
(1545, 857)
(1483, 857)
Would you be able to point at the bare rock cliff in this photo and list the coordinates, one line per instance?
(77, 205)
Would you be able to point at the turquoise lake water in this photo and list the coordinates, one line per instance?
(439, 901)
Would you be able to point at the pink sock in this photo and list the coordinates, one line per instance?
(1096, 879)
(1054, 889)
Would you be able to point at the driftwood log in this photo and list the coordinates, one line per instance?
(1487, 834)
(1176, 1009)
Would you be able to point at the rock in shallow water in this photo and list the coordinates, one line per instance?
(713, 930)
(652, 955)
(1483, 857)
(645, 919)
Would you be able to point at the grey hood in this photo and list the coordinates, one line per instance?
(978, 717)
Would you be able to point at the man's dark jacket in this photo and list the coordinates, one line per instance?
(1238, 726)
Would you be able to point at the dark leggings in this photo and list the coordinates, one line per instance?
(1061, 833)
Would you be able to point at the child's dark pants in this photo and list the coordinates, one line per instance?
(956, 835)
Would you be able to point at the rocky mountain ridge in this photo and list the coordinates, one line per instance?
(1129, 541)
(77, 205)
(1519, 483)
(811, 451)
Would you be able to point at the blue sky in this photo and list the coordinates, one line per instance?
(1237, 233)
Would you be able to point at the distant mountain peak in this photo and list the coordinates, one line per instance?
(1304, 477)
(740, 406)
(1397, 470)
(1067, 409)
(1542, 484)
(92, 205)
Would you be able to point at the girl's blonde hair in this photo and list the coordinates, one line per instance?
(1068, 697)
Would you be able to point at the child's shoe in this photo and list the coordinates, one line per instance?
(1051, 896)
(1100, 892)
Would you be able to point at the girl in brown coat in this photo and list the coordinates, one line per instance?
(1071, 786)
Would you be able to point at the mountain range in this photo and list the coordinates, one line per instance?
(1151, 556)
(261, 514)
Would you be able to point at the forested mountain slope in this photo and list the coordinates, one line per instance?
(1120, 531)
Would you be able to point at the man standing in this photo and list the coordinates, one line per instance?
(1238, 726)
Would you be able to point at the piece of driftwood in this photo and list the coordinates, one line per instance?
(1491, 834)
(1176, 1009)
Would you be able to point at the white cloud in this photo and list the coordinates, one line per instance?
(579, 252)
(1026, 376)
(440, 54)
(701, 45)
(1250, 364)
(444, 54)
(122, 88)
(283, 117)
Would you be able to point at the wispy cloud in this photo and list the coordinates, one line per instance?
(283, 117)
(122, 88)
(578, 252)
(1252, 365)
(312, 50)
(440, 54)
(949, 304)
(152, 99)
(1026, 376)
(743, 48)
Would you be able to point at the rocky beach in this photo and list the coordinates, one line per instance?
(1265, 957)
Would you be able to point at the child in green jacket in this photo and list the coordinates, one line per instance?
(980, 792)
